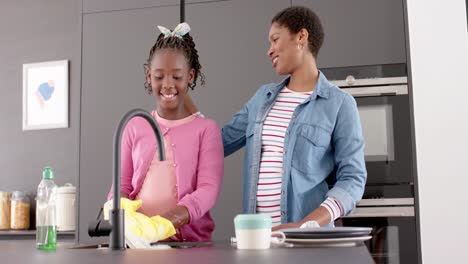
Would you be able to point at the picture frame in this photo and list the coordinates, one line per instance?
(45, 95)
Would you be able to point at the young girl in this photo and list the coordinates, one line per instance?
(185, 186)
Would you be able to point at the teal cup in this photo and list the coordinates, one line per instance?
(253, 231)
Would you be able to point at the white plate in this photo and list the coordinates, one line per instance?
(345, 241)
(326, 232)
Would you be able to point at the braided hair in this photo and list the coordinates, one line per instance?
(187, 46)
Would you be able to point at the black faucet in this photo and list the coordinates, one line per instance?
(116, 226)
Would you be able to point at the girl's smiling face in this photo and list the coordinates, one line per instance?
(169, 76)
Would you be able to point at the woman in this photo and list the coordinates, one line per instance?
(297, 133)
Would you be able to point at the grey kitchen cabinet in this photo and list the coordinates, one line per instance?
(115, 46)
(93, 6)
(360, 32)
(232, 40)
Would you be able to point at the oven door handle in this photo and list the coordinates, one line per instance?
(385, 202)
(389, 90)
(384, 211)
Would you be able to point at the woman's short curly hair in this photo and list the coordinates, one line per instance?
(186, 45)
(296, 18)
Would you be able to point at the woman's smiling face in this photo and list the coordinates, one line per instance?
(169, 76)
(284, 52)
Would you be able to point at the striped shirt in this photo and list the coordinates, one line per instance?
(271, 162)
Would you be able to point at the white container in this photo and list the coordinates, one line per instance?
(66, 207)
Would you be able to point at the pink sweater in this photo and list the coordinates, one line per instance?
(199, 162)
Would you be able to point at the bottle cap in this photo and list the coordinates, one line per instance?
(47, 174)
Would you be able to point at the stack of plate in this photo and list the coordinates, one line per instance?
(327, 236)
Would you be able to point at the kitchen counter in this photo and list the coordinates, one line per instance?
(31, 235)
(221, 252)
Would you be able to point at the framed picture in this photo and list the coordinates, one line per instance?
(45, 95)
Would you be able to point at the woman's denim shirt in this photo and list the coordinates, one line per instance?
(323, 137)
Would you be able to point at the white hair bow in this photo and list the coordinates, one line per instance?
(179, 31)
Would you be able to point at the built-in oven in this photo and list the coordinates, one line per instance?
(381, 94)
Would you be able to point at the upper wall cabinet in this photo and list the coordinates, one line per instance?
(92, 6)
(232, 42)
(360, 32)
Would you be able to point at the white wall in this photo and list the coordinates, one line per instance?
(438, 49)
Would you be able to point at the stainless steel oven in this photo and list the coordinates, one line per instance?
(381, 93)
(393, 237)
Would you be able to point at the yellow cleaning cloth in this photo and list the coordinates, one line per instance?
(140, 229)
